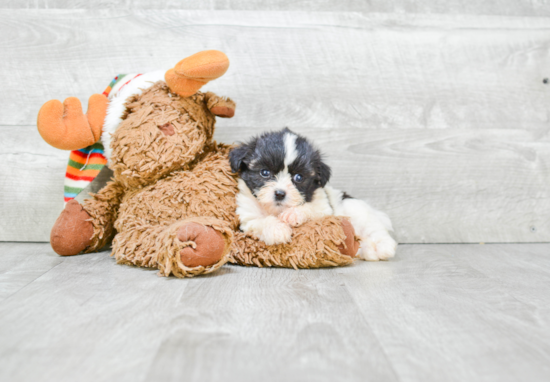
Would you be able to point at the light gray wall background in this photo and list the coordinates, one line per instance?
(434, 111)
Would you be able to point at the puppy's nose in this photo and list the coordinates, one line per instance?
(280, 195)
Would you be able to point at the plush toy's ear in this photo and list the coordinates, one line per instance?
(238, 155)
(191, 73)
(323, 174)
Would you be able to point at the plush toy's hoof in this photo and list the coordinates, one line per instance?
(352, 245)
(72, 231)
(209, 245)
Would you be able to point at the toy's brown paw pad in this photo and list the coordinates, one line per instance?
(352, 245)
(209, 249)
(72, 231)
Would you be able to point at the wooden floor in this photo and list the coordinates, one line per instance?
(434, 313)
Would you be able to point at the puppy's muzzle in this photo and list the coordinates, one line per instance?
(279, 195)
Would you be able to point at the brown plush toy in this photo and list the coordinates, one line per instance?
(172, 200)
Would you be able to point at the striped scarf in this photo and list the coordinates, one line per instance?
(85, 164)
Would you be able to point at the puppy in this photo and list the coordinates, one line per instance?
(284, 183)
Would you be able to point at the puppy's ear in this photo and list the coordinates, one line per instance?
(237, 156)
(323, 174)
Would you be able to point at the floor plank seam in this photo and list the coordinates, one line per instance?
(29, 283)
(365, 320)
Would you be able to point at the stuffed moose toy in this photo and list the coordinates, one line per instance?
(171, 203)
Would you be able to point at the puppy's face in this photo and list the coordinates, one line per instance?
(282, 169)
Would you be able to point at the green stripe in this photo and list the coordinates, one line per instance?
(97, 145)
(120, 78)
(79, 166)
(72, 190)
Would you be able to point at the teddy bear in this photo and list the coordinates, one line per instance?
(171, 203)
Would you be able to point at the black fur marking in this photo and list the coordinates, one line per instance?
(345, 195)
(237, 156)
(267, 151)
(310, 165)
(263, 152)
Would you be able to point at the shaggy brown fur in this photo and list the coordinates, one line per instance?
(314, 245)
(162, 182)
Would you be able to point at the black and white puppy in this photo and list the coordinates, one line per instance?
(284, 183)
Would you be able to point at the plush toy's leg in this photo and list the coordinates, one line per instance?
(72, 231)
(87, 228)
(185, 248)
(103, 210)
(326, 242)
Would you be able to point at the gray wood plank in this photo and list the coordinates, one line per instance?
(433, 313)
(22, 263)
(441, 317)
(488, 7)
(321, 69)
(88, 320)
(437, 185)
(269, 325)
(525, 275)
(31, 189)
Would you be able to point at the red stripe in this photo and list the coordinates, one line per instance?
(67, 199)
(93, 155)
(74, 177)
(119, 89)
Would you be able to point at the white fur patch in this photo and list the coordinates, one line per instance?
(371, 225)
(248, 207)
(318, 207)
(282, 182)
(290, 149)
(118, 97)
(256, 223)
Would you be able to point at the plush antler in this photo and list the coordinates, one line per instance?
(191, 73)
(64, 125)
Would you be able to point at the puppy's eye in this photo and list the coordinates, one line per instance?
(265, 173)
(298, 178)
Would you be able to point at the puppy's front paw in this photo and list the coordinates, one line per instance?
(377, 246)
(276, 232)
(293, 216)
